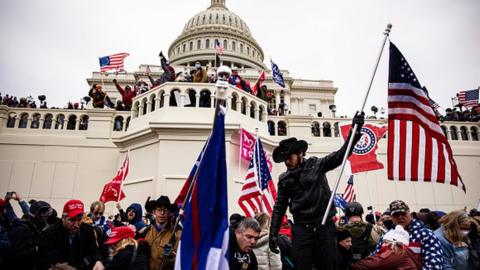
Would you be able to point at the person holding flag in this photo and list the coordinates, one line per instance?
(304, 188)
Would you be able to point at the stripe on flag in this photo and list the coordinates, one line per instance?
(114, 61)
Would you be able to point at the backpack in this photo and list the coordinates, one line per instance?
(360, 246)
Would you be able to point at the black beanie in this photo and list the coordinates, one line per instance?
(342, 235)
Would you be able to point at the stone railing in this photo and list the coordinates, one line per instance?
(197, 95)
(62, 119)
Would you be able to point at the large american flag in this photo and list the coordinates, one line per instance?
(468, 98)
(417, 148)
(349, 193)
(258, 192)
(114, 61)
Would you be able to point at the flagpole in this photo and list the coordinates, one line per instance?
(386, 33)
(257, 157)
(221, 96)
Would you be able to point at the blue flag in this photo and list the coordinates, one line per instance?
(277, 75)
(204, 240)
(339, 201)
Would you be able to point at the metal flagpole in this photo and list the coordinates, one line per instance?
(257, 164)
(350, 141)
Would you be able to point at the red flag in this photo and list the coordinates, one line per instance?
(363, 157)
(112, 191)
(259, 82)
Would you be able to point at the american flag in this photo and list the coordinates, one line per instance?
(349, 193)
(218, 47)
(258, 192)
(417, 148)
(468, 98)
(114, 61)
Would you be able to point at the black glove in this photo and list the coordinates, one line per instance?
(273, 243)
(114, 80)
(358, 119)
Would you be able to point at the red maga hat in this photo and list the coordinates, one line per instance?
(119, 233)
(73, 208)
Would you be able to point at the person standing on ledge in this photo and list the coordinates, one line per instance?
(304, 188)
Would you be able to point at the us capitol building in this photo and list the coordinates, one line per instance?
(56, 155)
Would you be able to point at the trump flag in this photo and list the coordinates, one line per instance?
(364, 157)
(112, 191)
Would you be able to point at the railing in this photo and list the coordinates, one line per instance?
(198, 95)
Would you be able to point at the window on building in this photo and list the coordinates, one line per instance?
(191, 46)
(199, 44)
(207, 44)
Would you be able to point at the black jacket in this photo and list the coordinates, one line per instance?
(238, 259)
(123, 259)
(54, 247)
(306, 190)
(23, 235)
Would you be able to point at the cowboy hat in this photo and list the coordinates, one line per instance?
(287, 147)
(164, 201)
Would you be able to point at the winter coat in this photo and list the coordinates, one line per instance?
(98, 97)
(137, 221)
(453, 257)
(157, 239)
(200, 76)
(57, 245)
(265, 257)
(126, 96)
(386, 259)
(123, 259)
(343, 259)
(423, 243)
(306, 191)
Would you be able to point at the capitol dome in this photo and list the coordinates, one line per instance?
(197, 40)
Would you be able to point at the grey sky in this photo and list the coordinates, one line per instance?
(51, 46)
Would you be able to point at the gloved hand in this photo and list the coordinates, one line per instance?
(273, 243)
(358, 119)
(114, 80)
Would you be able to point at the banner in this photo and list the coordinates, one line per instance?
(112, 191)
(364, 157)
(247, 144)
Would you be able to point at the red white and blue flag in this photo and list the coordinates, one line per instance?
(112, 191)
(114, 61)
(258, 192)
(260, 81)
(417, 148)
(204, 240)
(468, 99)
(349, 193)
(218, 47)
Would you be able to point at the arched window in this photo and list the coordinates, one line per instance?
(230, 20)
(118, 123)
(23, 120)
(261, 110)
(191, 95)
(83, 122)
(244, 105)
(190, 47)
(199, 44)
(144, 104)
(205, 100)
(225, 44)
(282, 128)
(327, 131)
(35, 121)
(453, 133)
(234, 101)
(47, 123)
(253, 106)
(207, 44)
(234, 46)
(152, 103)
(248, 50)
(127, 123)
(241, 48)
(72, 121)
(60, 121)
(12, 118)
(184, 49)
(203, 19)
(445, 131)
(474, 133)
(174, 98)
(464, 133)
(162, 98)
(271, 128)
(316, 129)
(336, 129)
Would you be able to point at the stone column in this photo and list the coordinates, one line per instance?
(256, 113)
(157, 101)
(149, 106)
(166, 100)
(277, 100)
(77, 124)
(197, 100)
(29, 122)
(40, 122)
(140, 109)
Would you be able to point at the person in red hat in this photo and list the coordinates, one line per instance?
(70, 241)
(126, 252)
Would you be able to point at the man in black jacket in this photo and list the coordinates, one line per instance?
(304, 189)
(70, 241)
(241, 243)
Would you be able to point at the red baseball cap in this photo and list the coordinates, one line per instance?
(119, 233)
(73, 208)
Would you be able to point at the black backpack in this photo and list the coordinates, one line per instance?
(360, 246)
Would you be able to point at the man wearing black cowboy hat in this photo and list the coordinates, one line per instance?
(158, 237)
(304, 188)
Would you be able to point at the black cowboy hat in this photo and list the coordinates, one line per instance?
(287, 147)
(164, 201)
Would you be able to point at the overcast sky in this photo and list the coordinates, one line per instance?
(51, 46)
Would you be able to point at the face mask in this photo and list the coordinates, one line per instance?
(464, 232)
(388, 224)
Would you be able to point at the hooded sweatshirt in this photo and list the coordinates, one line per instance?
(137, 220)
